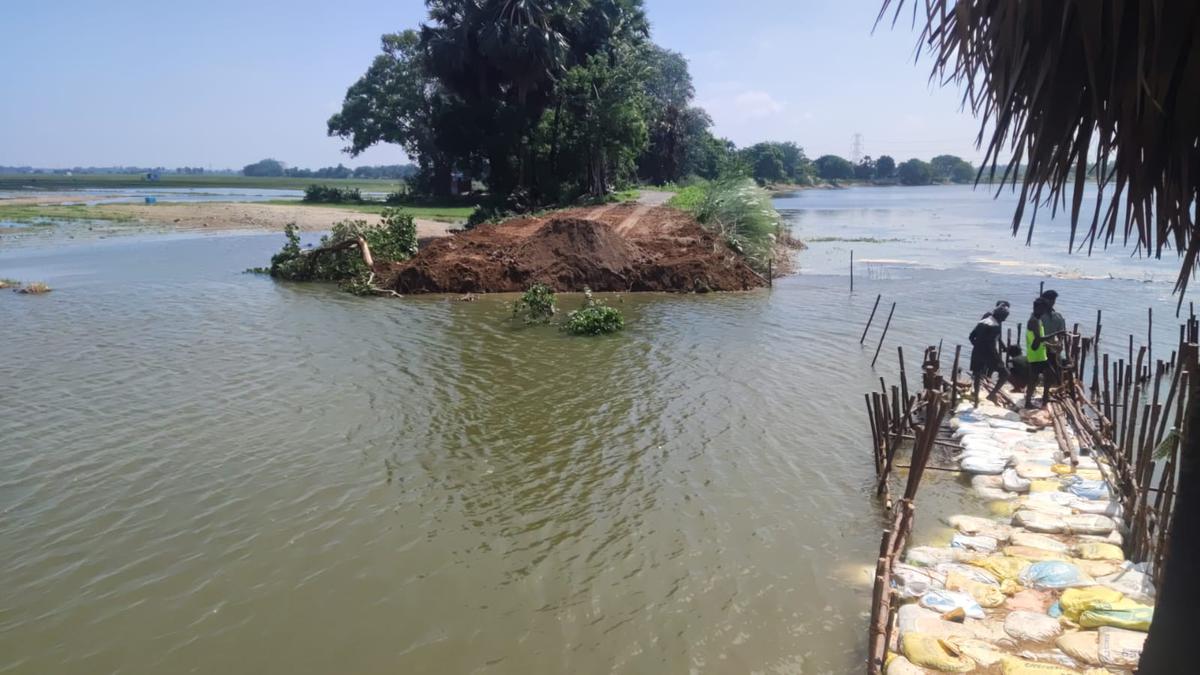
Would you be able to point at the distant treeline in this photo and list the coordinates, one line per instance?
(774, 162)
(115, 170)
(274, 167)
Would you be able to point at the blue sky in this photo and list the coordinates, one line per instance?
(223, 83)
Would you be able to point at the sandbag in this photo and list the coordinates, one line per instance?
(987, 481)
(898, 665)
(913, 582)
(996, 423)
(1075, 601)
(1113, 538)
(1032, 554)
(1045, 485)
(1097, 551)
(1120, 648)
(1039, 522)
(1059, 498)
(1089, 489)
(1013, 482)
(1097, 568)
(986, 465)
(965, 428)
(981, 543)
(1134, 584)
(986, 594)
(929, 651)
(982, 653)
(982, 443)
(994, 494)
(1123, 614)
(1032, 471)
(1011, 665)
(1083, 646)
(1089, 523)
(913, 618)
(928, 556)
(1103, 507)
(1032, 627)
(943, 601)
(1054, 574)
(1035, 540)
(1044, 506)
(1002, 567)
(983, 526)
(1030, 600)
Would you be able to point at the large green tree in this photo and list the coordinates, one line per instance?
(668, 90)
(885, 166)
(951, 168)
(832, 167)
(915, 172)
(398, 101)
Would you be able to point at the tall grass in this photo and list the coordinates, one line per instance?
(740, 211)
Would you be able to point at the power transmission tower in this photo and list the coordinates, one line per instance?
(856, 154)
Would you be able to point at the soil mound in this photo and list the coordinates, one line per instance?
(669, 253)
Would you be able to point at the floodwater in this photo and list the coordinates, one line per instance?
(93, 196)
(208, 471)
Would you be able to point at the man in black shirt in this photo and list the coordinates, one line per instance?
(985, 351)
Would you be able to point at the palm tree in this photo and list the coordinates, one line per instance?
(1057, 81)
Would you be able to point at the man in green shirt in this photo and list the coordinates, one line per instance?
(1054, 324)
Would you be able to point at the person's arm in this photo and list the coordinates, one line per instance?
(1034, 326)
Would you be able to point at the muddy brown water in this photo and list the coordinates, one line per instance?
(206, 471)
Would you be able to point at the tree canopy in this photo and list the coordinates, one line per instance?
(915, 172)
(832, 167)
(264, 167)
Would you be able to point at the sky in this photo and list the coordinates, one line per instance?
(223, 83)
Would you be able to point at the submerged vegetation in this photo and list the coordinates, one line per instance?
(536, 304)
(32, 288)
(9, 283)
(594, 318)
(347, 253)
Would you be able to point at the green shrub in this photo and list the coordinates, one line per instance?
(326, 194)
(594, 318)
(536, 304)
(395, 238)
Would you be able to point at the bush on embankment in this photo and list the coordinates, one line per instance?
(740, 211)
(326, 194)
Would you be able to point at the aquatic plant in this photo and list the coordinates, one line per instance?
(594, 318)
(536, 304)
(341, 255)
(34, 288)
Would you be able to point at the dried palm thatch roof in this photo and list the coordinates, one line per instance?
(1057, 80)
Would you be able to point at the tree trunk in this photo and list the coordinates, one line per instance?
(442, 178)
(1169, 647)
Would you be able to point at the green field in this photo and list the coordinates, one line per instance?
(34, 213)
(107, 180)
(433, 212)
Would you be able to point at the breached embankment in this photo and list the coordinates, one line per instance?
(624, 248)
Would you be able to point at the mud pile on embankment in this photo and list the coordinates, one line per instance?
(661, 252)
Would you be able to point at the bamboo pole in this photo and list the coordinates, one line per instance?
(883, 335)
(869, 320)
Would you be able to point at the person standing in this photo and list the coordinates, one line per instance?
(1035, 353)
(985, 351)
(1056, 326)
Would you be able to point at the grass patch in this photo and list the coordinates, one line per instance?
(105, 180)
(688, 198)
(741, 212)
(448, 213)
(9, 283)
(41, 213)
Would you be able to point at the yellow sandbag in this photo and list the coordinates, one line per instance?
(1013, 666)
(1046, 485)
(1094, 550)
(1002, 567)
(1075, 601)
(1083, 646)
(1002, 509)
(1031, 553)
(1125, 614)
(929, 651)
(983, 653)
(987, 595)
(898, 665)
(1062, 469)
(1097, 568)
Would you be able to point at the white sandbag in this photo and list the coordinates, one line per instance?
(987, 481)
(981, 543)
(1089, 523)
(1113, 537)
(971, 572)
(977, 525)
(1086, 462)
(1007, 424)
(1031, 626)
(1119, 647)
(1135, 585)
(913, 618)
(1041, 542)
(967, 428)
(995, 494)
(978, 464)
(913, 582)
(1099, 507)
(1048, 508)
(899, 665)
(1060, 498)
(1083, 646)
(943, 601)
(1039, 522)
(1013, 482)
(1034, 471)
(928, 556)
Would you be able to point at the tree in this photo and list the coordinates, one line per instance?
(885, 167)
(398, 101)
(951, 168)
(915, 172)
(264, 167)
(668, 92)
(796, 165)
(865, 169)
(1113, 80)
(832, 167)
(765, 162)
